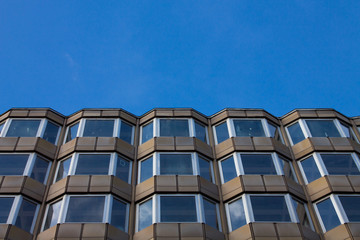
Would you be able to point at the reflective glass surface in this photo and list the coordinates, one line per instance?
(351, 205)
(52, 215)
(145, 215)
(122, 169)
(5, 207)
(248, 128)
(93, 164)
(118, 214)
(322, 128)
(23, 128)
(200, 132)
(51, 132)
(1, 127)
(13, 164)
(270, 208)
(72, 131)
(178, 209)
(258, 164)
(147, 132)
(63, 171)
(176, 164)
(301, 213)
(205, 169)
(210, 214)
(296, 133)
(26, 215)
(99, 128)
(228, 169)
(275, 132)
(237, 214)
(222, 132)
(340, 164)
(40, 169)
(85, 209)
(287, 169)
(310, 169)
(146, 169)
(174, 127)
(126, 132)
(328, 214)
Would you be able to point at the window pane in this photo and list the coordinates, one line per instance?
(275, 132)
(210, 214)
(249, 128)
(296, 133)
(176, 128)
(145, 215)
(200, 132)
(118, 215)
(351, 205)
(178, 209)
(147, 132)
(126, 132)
(13, 164)
(23, 128)
(146, 169)
(72, 131)
(322, 128)
(51, 132)
(237, 214)
(93, 164)
(205, 169)
(222, 132)
(99, 128)
(52, 215)
(340, 164)
(122, 169)
(228, 169)
(63, 170)
(270, 208)
(328, 214)
(310, 169)
(5, 207)
(40, 169)
(26, 215)
(1, 127)
(176, 164)
(301, 213)
(258, 164)
(348, 132)
(287, 169)
(85, 209)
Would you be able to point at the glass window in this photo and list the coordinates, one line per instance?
(72, 132)
(93, 164)
(351, 205)
(258, 164)
(40, 169)
(328, 214)
(210, 214)
(302, 213)
(348, 132)
(270, 208)
(228, 169)
(5, 207)
(146, 169)
(98, 128)
(322, 128)
(145, 215)
(296, 133)
(63, 170)
(178, 209)
(340, 164)
(122, 169)
(52, 215)
(237, 214)
(205, 169)
(118, 211)
(147, 132)
(310, 169)
(248, 128)
(1, 127)
(13, 164)
(23, 128)
(85, 209)
(275, 132)
(51, 132)
(174, 127)
(126, 132)
(200, 132)
(287, 169)
(221, 132)
(26, 214)
(176, 164)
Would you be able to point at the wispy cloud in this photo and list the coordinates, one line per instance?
(73, 66)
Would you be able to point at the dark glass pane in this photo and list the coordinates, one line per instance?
(63, 170)
(205, 169)
(146, 169)
(258, 164)
(147, 132)
(176, 164)
(72, 131)
(210, 214)
(85, 209)
(176, 128)
(310, 169)
(222, 132)
(145, 215)
(301, 213)
(118, 215)
(228, 169)
(200, 132)
(237, 214)
(51, 132)
(287, 169)
(348, 132)
(248, 128)
(99, 128)
(351, 205)
(5, 207)
(322, 128)
(93, 164)
(52, 215)
(122, 169)
(328, 214)
(1, 127)
(178, 209)
(270, 208)
(23, 128)
(13, 164)
(40, 169)
(126, 132)
(26, 215)
(296, 133)
(340, 164)
(275, 132)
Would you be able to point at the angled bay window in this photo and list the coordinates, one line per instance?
(177, 208)
(94, 164)
(87, 209)
(31, 128)
(254, 164)
(321, 164)
(101, 128)
(246, 128)
(266, 208)
(164, 127)
(175, 163)
(305, 128)
(25, 164)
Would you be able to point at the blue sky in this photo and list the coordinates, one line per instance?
(208, 55)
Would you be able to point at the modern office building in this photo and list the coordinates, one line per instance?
(177, 174)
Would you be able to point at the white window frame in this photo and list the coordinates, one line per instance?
(194, 162)
(112, 164)
(40, 130)
(321, 165)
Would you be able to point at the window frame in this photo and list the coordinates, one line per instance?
(40, 131)
(116, 130)
(194, 162)
(74, 160)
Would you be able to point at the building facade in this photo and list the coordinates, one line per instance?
(178, 174)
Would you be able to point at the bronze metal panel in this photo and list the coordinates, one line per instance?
(46, 148)
(165, 143)
(318, 188)
(219, 117)
(208, 188)
(67, 148)
(93, 230)
(212, 233)
(224, 148)
(74, 118)
(170, 230)
(146, 148)
(106, 144)
(288, 230)
(26, 144)
(243, 144)
(85, 144)
(166, 184)
(242, 233)
(264, 229)
(12, 184)
(8, 143)
(188, 184)
(274, 183)
(121, 188)
(263, 144)
(125, 148)
(203, 148)
(302, 148)
(337, 233)
(19, 113)
(34, 189)
(18, 233)
(100, 183)
(78, 184)
(355, 182)
(321, 144)
(69, 230)
(354, 229)
(48, 234)
(145, 189)
(145, 234)
(255, 113)
(57, 189)
(184, 144)
(164, 113)
(232, 188)
(253, 183)
(114, 233)
(110, 113)
(91, 113)
(147, 117)
(339, 183)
